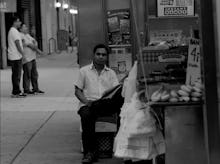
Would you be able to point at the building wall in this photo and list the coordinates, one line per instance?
(91, 26)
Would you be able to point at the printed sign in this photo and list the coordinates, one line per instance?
(193, 72)
(165, 35)
(8, 5)
(120, 60)
(175, 7)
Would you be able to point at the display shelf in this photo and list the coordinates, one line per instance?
(120, 45)
(172, 17)
(190, 103)
(170, 81)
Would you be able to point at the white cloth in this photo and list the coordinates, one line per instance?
(29, 54)
(94, 85)
(13, 35)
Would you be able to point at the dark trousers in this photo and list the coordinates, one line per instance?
(88, 129)
(30, 76)
(103, 107)
(16, 67)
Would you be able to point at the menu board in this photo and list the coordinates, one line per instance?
(175, 8)
(119, 27)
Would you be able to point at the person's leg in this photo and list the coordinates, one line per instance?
(88, 134)
(34, 76)
(27, 76)
(16, 66)
(88, 129)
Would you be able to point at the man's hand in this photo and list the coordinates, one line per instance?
(80, 95)
(32, 46)
(89, 103)
(17, 43)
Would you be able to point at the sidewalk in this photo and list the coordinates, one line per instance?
(43, 128)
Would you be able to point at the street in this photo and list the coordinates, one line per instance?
(43, 129)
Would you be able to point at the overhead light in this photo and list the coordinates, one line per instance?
(65, 6)
(57, 4)
(73, 11)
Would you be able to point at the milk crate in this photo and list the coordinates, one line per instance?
(104, 142)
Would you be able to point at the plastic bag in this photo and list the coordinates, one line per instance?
(140, 146)
(142, 123)
(130, 84)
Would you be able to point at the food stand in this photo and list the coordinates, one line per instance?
(170, 71)
(188, 122)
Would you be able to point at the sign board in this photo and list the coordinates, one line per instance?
(8, 6)
(120, 60)
(175, 8)
(193, 72)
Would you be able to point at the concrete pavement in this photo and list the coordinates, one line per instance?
(43, 128)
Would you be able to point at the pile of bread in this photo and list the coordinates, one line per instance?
(185, 93)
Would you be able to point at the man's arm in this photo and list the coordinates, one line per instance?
(17, 43)
(80, 95)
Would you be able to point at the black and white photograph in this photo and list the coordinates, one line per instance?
(109, 81)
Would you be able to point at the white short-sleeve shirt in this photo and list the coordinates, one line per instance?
(29, 54)
(13, 35)
(94, 85)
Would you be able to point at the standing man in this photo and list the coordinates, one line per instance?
(15, 54)
(30, 75)
(93, 81)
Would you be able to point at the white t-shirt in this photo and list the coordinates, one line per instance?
(13, 35)
(29, 54)
(94, 85)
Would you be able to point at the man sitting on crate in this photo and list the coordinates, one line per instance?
(93, 81)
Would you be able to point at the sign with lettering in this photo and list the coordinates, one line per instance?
(193, 72)
(8, 6)
(175, 7)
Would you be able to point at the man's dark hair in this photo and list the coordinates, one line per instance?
(101, 46)
(14, 19)
(21, 26)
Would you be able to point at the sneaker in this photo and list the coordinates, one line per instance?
(95, 157)
(87, 159)
(19, 95)
(39, 92)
